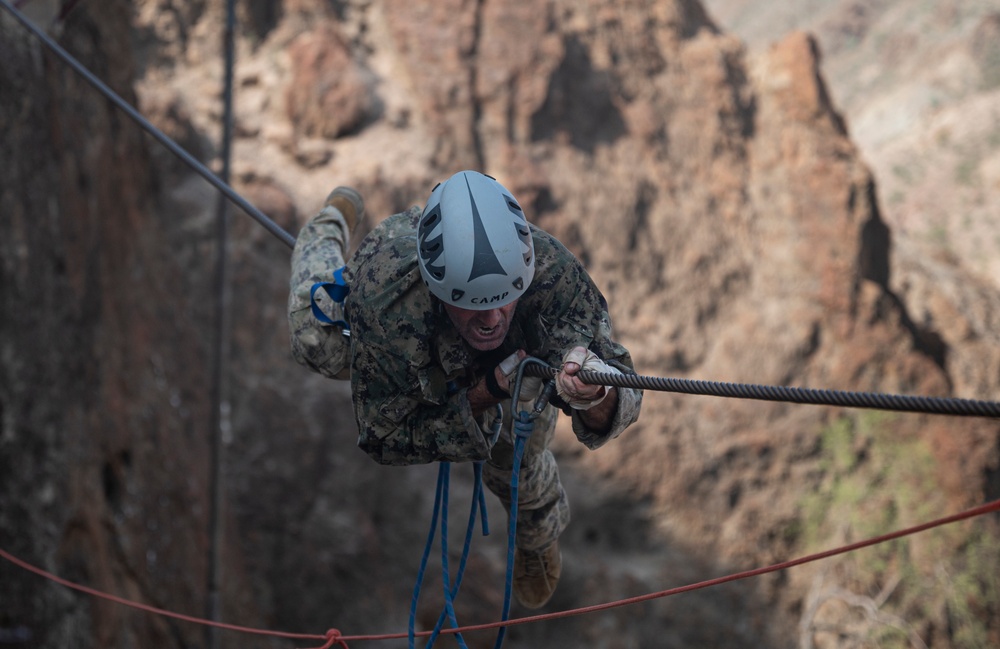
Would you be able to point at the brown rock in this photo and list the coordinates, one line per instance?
(327, 95)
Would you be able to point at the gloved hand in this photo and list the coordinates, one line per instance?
(576, 393)
(531, 386)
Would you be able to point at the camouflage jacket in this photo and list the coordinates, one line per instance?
(410, 369)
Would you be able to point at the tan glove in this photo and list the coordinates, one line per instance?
(580, 395)
(531, 386)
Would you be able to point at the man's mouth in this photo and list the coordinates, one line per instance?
(485, 337)
(486, 332)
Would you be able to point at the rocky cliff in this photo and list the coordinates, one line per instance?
(715, 196)
(103, 444)
(920, 86)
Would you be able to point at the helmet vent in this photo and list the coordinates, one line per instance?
(431, 248)
(431, 220)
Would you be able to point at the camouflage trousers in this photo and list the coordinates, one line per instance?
(542, 506)
(319, 251)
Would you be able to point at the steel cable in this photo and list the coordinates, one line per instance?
(873, 400)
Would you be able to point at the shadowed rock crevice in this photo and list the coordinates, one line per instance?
(580, 104)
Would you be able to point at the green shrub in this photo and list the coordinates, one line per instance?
(875, 481)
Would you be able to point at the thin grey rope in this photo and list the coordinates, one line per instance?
(220, 348)
(162, 138)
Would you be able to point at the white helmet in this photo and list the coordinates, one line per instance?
(474, 247)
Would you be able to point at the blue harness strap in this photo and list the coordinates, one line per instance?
(337, 290)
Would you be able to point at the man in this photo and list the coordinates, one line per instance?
(443, 302)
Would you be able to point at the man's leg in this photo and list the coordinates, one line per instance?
(320, 250)
(542, 509)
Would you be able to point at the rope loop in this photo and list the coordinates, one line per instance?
(524, 425)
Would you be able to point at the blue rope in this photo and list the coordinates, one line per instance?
(482, 498)
(523, 427)
(449, 594)
(423, 559)
(478, 504)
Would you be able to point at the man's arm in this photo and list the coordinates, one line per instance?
(600, 417)
(572, 314)
(480, 399)
(600, 413)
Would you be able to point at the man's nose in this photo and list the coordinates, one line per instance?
(489, 318)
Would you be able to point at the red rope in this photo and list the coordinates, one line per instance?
(334, 637)
(993, 506)
(152, 609)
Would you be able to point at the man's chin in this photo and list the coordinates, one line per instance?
(485, 344)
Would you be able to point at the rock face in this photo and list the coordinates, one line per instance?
(327, 97)
(716, 198)
(102, 452)
(920, 87)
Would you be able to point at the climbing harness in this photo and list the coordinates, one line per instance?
(521, 429)
(337, 290)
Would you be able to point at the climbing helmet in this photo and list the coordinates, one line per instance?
(474, 246)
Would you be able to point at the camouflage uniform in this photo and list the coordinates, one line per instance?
(410, 369)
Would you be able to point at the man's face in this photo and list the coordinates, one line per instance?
(483, 330)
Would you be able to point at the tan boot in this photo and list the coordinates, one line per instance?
(349, 202)
(536, 575)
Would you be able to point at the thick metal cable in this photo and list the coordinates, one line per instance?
(874, 400)
(161, 137)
